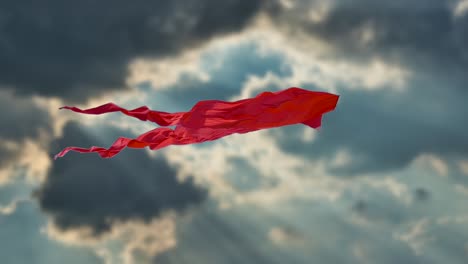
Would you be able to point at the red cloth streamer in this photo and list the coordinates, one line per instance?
(213, 119)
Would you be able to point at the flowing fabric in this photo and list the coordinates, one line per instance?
(212, 119)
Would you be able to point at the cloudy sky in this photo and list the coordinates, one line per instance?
(385, 180)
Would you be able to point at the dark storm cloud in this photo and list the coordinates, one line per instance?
(423, 34)
(85, 190)
(387, 129)
(20, 119)
(6, 156)
(77, 49)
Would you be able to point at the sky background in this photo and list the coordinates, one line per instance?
(385, 180)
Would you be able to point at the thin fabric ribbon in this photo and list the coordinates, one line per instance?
(213, 119)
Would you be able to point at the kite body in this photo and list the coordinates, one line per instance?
(212, 119)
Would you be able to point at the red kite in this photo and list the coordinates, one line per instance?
(213, 119)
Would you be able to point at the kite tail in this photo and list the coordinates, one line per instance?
(154, 139)
(143, 113)
(113, 150)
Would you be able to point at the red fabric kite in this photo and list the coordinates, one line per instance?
(213, 119)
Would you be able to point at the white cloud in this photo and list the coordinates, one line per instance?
(106, 255)
(319, 11)
(163, 73)
(288, 4)
(289, 172)
(11, 207)
(26, 133)
(308, 135)
(436, 163)
(30, 156)
(454, 219)
(294, 176)
(388, 183)
(342, 158)
(460, 8)
(416, 236)
(146, 239)
(361, 252)
(286, 237)
(462, 189)
(463, 166)
(313, 61)
(366, 34)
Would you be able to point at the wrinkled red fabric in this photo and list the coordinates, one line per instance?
(212, 119)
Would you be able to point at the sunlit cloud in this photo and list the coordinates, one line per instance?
(11, 207)
(285, 237)
(415, 236)
(436, 163)
(139, 239)
(461, 8)
(463, 166)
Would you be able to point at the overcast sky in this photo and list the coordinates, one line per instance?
(385, 180)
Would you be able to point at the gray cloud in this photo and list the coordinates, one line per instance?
(228, 232)
(321, 232)
(379, 207)
(79, 49)
(422, 34)
(242, 175)
(21, 119)
(449, 242)
(239, 62)
(85, 190)
(387, 129)
(383, 129)
(422, 194)
(6, 156)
